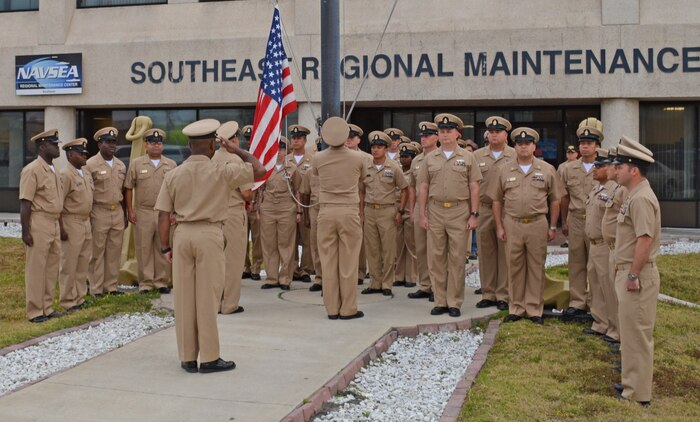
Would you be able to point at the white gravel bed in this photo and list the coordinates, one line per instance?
(10, 229)
(55, 354)
(412, 381)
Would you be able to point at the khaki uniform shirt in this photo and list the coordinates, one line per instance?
(276, 188)
(415, 169)
(40, 185)
(339, 170)
(236, 198)
(310, 186)
(77, 191)
(380, 185)
(595, 209)
(147, 179)
(448, 178)
(578, 184)
(639, 216)
(199, 189)
(526, 195)
(489, 165)
(612, 208)
(109, 181)
(396, 157)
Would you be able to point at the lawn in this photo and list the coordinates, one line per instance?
(15, 328)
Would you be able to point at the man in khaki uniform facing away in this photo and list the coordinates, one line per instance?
(525, 190)
(353, 143)
(449, 183)
(198, 192)
(108, 216)
(41, 201)
(76, 234)
(145, 177)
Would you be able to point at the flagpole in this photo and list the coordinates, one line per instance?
(330, 59)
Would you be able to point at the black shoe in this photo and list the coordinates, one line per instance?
(115, 293)
(409, 284)
(164, 290)
(55, 314)
(502, 305)
(315, 288)
(537, 320)
(571, 311)
(370, 291)
(439, 310)
(358, 314)
(592, 332)
(387, 292)
(485, 303)
(333, 316)
(512, 318)
(360, 281)
(618, 387)
(269, 286)
(98, 296)
(565, 245)
(472, 257)
(255, 277)
(399, 283)
(477, 291)
(284, 287)
(296, 277)
(431, 298)
(216, 366)
(39, 319)
(610, 339)
(454, 312)
(237, 311)
(144, 292)
(245, 275)
(305, 279)
(74, 308)
(190, 366)
(419, 294)
(614, 346)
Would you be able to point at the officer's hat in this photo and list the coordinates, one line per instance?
(247, 131)
(78, 145)
(462, 143)
(497, 123)
(524, 134)
(154, 135)
(47, 136)
(427, 128)
(448, 121)
(283, 142)
(297, 131)
(405, 140)
(601, 157)
(570, 149)
(108, 133)
(228, 130)
(632, 152)
(335, 131)
(355, 130)
(418, 146)
(394, 133)
(379, 138)
(590, 129)
(472, 144)
(612, 153)
(408, 149)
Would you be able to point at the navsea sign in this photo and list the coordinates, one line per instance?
(49, 74)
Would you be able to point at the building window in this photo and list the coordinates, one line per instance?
(18, 5)
(111, 3)
(16, 150)
(670, 131)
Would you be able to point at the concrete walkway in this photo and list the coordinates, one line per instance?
(283, 345)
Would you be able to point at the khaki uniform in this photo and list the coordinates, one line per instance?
(420, 235)
(493, 265)
(235, 233)
(146, 179)
(608, 229)
(362, 263)
(639, 216)
(598, 258)
(278, 213)
(406, 269)
(77, 250)
(305, 265)
(448, 212)
(107, 220)
(310, 186)
(339, 228)
(198, 192)
(525, 198)
(253, 256)
(42, 186)
(380, 223)
(578, 184)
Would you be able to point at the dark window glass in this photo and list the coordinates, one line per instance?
(16, 150)
(18, 5)
(109, 3)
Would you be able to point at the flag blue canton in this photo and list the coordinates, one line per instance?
(274, 56)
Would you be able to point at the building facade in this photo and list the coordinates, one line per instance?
(543, 63)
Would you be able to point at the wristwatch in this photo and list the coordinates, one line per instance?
(474, 213)
(632, 276)
(403, 212)
(166, 250)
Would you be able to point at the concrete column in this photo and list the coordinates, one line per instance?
(63, 119)
(55, 17)
(620, 116)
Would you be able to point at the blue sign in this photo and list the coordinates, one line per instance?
(49, 74)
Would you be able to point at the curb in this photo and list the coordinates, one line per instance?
(309, 407)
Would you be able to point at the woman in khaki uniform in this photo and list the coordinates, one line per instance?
(406, 266)
(279, 215)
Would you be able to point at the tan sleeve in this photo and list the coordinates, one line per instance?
(643, 215)
(495, 191)
(27, 184)
(305, 187)
(130, 181)
(238, 174)
(296, 180)
(558, 188)
(314, 164)
(67, 183)
(164, 202)
(423, 174)
(474, 171)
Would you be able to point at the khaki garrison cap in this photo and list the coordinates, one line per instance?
(408, 149)
(601, 157)
(76, 145)
(154, 135)
(524, 134)
(297, 131)
(355, 131)
(50, 135)
(590, 129)
(228, 130)
(449, 121)
(379, 138)
(498, 123)
(394, 133)
(108, 133)
(247, 131)
(335, 131)
(405, 140)
(202, 130)
(632, 152)
(427, 128)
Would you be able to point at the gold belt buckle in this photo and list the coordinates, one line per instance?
(114, 207)
(583, 215)
(447, 205)
(525, 221)
(376, 206)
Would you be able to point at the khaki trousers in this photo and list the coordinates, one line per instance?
(493, 265)
(235, 231)
(107, 235)
(598, 256)
(313, 216)
(362, 262)
(278, 236)
(637, 318)
(613, 314)
(578, 261)
(339, 241)
(420, 237)
(380, 244)
(305, 266)
(75, 259)
(41, 264)
(198, 279)
(153, 268)
(253, 255)
(526, 251)
(405, 252)
(447, 252)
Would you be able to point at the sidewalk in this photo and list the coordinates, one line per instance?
(283, 345)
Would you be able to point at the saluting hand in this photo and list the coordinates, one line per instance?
(229, 145)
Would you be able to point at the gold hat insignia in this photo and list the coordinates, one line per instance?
(586, 132)
(495, 122)
(111, 133)
(424, 128)
(445, 120)
(523, 134)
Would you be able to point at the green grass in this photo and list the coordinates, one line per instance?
(14, 327)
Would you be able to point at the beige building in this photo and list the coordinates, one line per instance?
(543, 63)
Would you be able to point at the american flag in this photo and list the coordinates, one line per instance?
(275, 100)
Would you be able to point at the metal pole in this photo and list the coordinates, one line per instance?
(330, 59)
